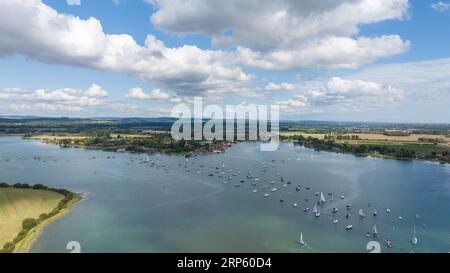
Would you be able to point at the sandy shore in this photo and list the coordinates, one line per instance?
(26, 244)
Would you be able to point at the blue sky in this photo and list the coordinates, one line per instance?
(378, 60)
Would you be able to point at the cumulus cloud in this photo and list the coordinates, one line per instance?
(33, 29)
(441, 6)
(331, 52)
(424, 81)
(140, 94)
(295, 34)
(343, 94)
(281, 86)
(73, 2)
(96, 91)
(64, 100)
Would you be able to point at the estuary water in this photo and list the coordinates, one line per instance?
(161, 203)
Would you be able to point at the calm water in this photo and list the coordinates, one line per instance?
(165, 204)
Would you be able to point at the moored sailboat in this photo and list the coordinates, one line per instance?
(361, 213)
(414, 239)
(301, 241)
(375, 231)
(322, 198)
(316, 211)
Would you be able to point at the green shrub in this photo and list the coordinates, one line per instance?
(28, 224)
(39, 187)
(8, 247)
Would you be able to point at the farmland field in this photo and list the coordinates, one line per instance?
(19, 204)
(412, 137)
(408, 145)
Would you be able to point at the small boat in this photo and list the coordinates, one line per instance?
(335, 221)
(389, 244)
(255, 191)
(414, 239)
(281, 200)
(349, 207)
(274, 189)
(342, 197)
(317, 194)
(400, 218)
(334, 210)
(349, 227)
(316, 211)
(322, 198)
(295, 205)
(375, 231)
(305, 209)
(375, 213)
(388, 210)
(266, 195)
(361, 213)
(301, 242)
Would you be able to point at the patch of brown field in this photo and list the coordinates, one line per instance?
(50, 137)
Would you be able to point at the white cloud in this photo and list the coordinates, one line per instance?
(424, 81)
(138, 93)
(288, 34)
(33, 29)
(441, 6)
(343, 95)
(330, 52)
(59, 100)
(74, 2)
(281, 86)
(96, 91)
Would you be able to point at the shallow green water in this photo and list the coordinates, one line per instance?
(168, 204)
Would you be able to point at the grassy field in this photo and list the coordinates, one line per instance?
(301, 133)
(57, 137)
(408, 145)
(19, 204)
(412, 137)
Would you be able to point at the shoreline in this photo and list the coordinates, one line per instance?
(190, 154)
(27, 243)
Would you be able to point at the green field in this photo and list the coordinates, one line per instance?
(19, 204)
(301, 133)
(408, 145)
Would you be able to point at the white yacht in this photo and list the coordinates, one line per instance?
(301, 242)
(322, 198)
(361, 213)
(316, 211)
(414, 239)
